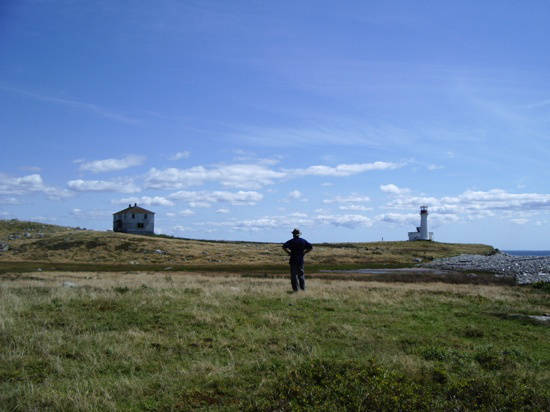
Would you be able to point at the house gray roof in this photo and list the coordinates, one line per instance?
(134, 209)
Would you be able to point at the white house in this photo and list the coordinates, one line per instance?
(134, 219)
(422, 230)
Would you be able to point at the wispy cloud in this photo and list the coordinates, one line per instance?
(251, 176)
(147, 201)
(184, 212)
(180, 155)
(207, 198)
(393, 189)
(91, 214)
(475, 204)
(9, 201)
(538, 104)
(347, 169)
(90, 107)
(295, 194)
(110, 165)
(29, 184)
(354, 198)
(123, 185)
(240, 176)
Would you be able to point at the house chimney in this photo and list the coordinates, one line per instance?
(130, 205)
(135, 204)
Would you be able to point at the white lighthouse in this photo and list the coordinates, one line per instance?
(422, 230)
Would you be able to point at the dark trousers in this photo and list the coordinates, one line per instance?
(297, 277)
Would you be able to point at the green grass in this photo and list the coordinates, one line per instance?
(195, 343)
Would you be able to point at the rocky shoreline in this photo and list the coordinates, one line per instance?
(524, 269)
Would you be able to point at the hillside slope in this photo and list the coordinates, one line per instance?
(49, 243)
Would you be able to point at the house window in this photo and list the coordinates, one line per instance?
(140, 225)
(133, 216)
(145, 216)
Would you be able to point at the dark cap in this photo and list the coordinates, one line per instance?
(296, 232)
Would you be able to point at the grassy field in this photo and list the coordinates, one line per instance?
(182, 341)
(35, 242)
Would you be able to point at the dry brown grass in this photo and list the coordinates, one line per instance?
(234, 284)
(77, 246)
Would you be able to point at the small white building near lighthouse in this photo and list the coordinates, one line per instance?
(422, 230)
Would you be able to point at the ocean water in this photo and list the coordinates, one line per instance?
(528, 252)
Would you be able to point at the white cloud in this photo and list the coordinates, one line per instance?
(399, 218)
(186, 212)
(250, 176)
(519, 221)
(109, 165)
(348, 199)
(31, 168)
(347, 169)
(180, 155)
(433, 167)
(356, 208)
(471, 204)
(205, 198)
(147, 201)
(263, 223)
(91, 214)
(241, 176)
(9, 201)
(295, 194)
(349, 221)
(94, 108)
(29, 184)
(393, 189)
(222, 211)
(117, 185)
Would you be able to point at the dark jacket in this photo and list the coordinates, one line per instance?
(298, 247)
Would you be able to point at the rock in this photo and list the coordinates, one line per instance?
(418, 260)
(160, 252)
(39, 270)
(4, 247)
(69, 285)
(27, 235)
(524, 269)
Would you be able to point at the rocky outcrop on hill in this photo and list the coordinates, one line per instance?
(524, 269)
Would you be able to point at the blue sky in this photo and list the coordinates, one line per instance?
(241, 120)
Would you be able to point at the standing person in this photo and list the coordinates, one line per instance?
(296, 248)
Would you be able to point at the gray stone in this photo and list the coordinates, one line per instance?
(160, 252)
(4, 247)
(524, 269)
(69, 285)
